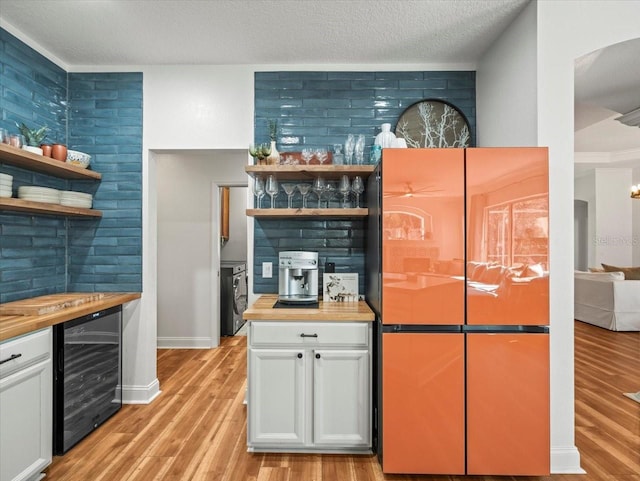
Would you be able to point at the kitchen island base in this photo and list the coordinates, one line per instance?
(309, 386)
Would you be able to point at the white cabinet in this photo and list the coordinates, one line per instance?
(25, 406)
(309, 386)
(341, 397)
(277, 397)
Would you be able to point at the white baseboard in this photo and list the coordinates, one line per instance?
(184, 343)
(566, 460)
(140, 394)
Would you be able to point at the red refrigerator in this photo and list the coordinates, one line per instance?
(458, 250)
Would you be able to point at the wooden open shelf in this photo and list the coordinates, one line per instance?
(27, 206)
(309, 172)
(275, 213)
(39, 163)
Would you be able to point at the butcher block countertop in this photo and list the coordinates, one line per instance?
(28, 315)
(263, 310)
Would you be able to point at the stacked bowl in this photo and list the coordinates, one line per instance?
(39, 194)
(6, 185)
(71, 198)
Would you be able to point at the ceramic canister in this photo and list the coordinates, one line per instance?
(59, 152)
(46, 150)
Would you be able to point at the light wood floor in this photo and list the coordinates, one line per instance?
(196, 429)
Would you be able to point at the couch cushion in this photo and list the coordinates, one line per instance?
(630, 273)
(600, 276)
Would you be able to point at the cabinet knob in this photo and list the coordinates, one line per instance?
(317, 356)
(299, 355)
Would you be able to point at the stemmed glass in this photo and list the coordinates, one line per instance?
(304, 190)
(258, 190)
(349, 146)
(307, 155)
(289, 189)
(322, 155)
(319, 186)
(359, 150)
(344, 187)
(358, 188)
(272, 188)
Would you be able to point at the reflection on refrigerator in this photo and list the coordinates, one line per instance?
(458, 257)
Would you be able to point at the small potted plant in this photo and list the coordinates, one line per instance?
(33, 138)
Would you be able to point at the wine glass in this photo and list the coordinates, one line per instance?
(272, 188)
(349, 145)
(359, 149)
(344, 187)
(321, 155)
(329, 189)
(319, 186)
(358, 188)
(258, 190)
(304, 190)
(307, 155)
(289, 189)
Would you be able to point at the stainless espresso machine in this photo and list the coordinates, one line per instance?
(298, 277)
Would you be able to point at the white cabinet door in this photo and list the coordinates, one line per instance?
(25, 422)
(277, 396)
(341, 398)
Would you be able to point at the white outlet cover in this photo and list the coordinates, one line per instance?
(267, 270)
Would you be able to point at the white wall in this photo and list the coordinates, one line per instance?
(635, 216)
(188, 223)
(565, 30)
(613, 240)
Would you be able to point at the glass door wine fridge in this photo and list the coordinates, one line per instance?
(87, 375)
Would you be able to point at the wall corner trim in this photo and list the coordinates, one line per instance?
(566, 460)
(141, 394)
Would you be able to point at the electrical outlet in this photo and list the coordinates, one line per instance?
(267, 270)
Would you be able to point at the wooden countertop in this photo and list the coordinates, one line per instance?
(16, 325)
(263, 310)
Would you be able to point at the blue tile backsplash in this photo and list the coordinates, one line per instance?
(319, 109)
(100, 114)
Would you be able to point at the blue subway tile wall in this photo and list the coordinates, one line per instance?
(48, 254)
(319, 109)
(33, 90)
(105, 120)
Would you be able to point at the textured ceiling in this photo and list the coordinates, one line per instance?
(141, 32)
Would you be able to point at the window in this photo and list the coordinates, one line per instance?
(517, 232)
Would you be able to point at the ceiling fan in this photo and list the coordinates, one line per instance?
(408, 191)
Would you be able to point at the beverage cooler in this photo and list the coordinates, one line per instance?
(87, 375)
(458, 249)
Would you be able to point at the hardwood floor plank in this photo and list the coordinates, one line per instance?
(196, 429)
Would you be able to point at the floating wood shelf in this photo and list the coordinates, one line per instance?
(26, 206)
(39, 163)
(309, 172)
(275, 213)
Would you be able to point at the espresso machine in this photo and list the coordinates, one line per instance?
(298, 277)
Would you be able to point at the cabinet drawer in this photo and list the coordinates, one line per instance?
(20, 352)
(309, 333)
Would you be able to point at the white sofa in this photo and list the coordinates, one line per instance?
(605, 299)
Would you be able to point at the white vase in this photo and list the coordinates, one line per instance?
(386, 138)
(274, 156)
(33, 150)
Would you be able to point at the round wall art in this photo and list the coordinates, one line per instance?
(433, 123)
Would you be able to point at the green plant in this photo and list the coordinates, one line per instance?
(273, 129)
(33, 137)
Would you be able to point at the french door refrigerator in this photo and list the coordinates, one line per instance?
(458, 259)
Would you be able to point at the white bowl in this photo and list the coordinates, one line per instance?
(4, 192)
(77, 158)
(6, 177)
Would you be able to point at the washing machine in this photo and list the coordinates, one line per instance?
(233, 296)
